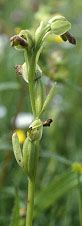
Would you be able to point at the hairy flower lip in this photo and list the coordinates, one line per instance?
(47, 122)
(68, 36)
(21, 41)
(71, 38)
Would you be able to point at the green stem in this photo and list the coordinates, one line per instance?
(80, 200)
(31, 65)
(31, 188)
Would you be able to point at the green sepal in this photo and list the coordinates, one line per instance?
(59, 25)
(26, 34)
(35, 130)
(24, 72)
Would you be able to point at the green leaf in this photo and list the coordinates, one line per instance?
(54, 191)
(9, 86)
(15, 214)
(49, 98)
(60, 25)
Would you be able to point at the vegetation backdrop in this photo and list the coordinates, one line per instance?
(58, 188)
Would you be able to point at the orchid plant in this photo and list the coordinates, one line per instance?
(31, 45)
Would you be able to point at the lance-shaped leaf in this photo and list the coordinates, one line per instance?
(17, 149)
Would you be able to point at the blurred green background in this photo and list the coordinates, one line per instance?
(57, 190)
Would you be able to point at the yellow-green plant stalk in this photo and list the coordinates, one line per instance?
(31, 45)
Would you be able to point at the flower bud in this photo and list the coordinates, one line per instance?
(17, 150)
(38, 72)
(35, 130)
(39, 95)
(28, 157)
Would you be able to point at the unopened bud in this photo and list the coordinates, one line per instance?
(17, 149)
(35, 130)
(28, 157)
(38, 72)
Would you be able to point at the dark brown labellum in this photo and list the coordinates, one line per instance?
(47, 122)
(17, 40)
(71, 38)
(68, 36)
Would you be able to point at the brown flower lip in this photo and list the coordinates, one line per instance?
(47, 122)
(21, 41)
(68, 36)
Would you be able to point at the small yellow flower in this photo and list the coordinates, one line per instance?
(77, 167)
(21, 135)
